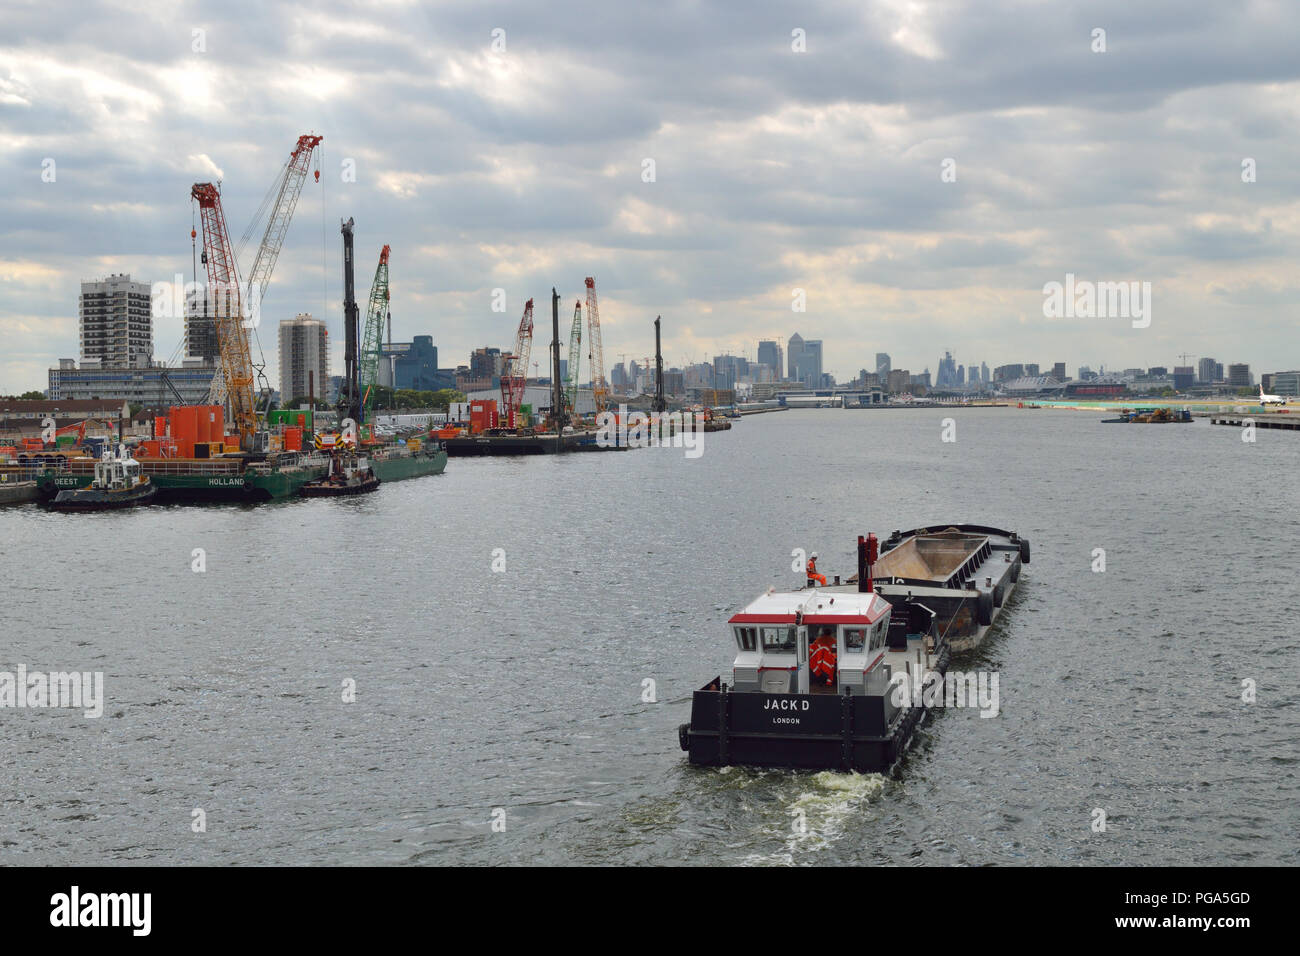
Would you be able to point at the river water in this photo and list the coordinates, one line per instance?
(516, 695)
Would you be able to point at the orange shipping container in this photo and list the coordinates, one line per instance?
(185, 426)
(293, 439)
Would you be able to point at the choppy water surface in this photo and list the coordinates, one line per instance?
(522, 690)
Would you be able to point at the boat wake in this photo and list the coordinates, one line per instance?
(815, 814)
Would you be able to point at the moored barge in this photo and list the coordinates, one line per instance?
(888, 641)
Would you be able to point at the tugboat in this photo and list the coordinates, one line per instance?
(348, 473)
(889, 639)
(117, 484)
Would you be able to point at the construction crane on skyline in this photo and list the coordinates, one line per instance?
(514, 375)
(376, 312)
(595, 353)
(277, 224)
(228, 316)
(286, 189)
(575, 359)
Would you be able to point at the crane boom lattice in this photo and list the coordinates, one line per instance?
(595, 354)
(228, 316)
(575, 360)
(514, 376)
(370, 345)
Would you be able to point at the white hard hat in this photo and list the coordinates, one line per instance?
(813, 555)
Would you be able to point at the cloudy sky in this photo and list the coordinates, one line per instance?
(774, 169)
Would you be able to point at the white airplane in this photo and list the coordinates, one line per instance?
(1270, 399)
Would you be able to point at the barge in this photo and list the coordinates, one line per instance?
(228, 478)
(889, 642)
(17, 492)
(410, 459)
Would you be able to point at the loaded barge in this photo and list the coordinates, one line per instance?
(839, 677)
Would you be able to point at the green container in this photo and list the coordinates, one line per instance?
(288, 416)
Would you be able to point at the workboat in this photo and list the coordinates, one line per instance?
(1150, 416)
(349, 474)
(412, 458)
(117, 484)
(892, 627)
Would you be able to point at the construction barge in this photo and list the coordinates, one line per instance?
(230, 477)
(889, 641)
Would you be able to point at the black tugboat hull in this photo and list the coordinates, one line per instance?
(324, 489)
(863, 733)
(91, 499)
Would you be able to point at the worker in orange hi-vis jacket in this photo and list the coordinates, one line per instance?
(813, 576)
(821, 661)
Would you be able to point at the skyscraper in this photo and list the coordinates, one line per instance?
(200, 327)
(883, 367)
(806, 362)
(947, 374)
(769, 353)
(793, 350)
(116, 322)
(304, 348)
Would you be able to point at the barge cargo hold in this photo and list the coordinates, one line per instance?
(17, 492)
(840, 677)
(963, 573)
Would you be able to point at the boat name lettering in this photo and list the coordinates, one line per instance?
(785, 703)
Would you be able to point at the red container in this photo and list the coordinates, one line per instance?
(185, 426)
(483, 415)
(160, 427)
(216, 423)
(293, 439)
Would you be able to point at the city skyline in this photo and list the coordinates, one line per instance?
(907, 178)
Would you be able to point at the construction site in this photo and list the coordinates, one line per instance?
(234, 447)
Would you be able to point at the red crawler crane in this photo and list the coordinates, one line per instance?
(514, 374)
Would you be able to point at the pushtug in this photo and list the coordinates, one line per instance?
(117, 484)
(349, 473)
(893, 627)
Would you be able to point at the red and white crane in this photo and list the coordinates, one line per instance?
(228, 315)
(514, 373)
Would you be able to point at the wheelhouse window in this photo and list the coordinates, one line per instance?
(747, 638)
(878, 635)
(779, 640)
(855, 640)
